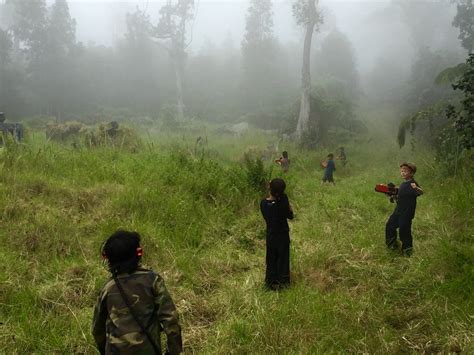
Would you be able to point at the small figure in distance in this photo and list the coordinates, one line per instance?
(276, 210)
(134, 306)
(404, 212)
(329, 169)
(13, 129)
(341, 155)
(112, 131)
(284, 162)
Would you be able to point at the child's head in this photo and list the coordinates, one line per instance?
(330, 156)
(407, 170)
(285, 154)
(277, 187)
(122, 251)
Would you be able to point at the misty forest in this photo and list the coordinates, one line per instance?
(170, 118)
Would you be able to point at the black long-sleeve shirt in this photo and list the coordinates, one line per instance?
(276, 213)
(406, 199)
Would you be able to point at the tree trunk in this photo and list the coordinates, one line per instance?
(305, 107)
(178, 68)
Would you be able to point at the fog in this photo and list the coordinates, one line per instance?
(363, 50)
(366, 23)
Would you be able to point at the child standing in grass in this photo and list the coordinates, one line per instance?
(284, 162)
(134, 306)
(276, 210)
(329, 169)
(342, 156)
(404, 212)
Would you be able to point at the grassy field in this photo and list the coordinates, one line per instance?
(202, 231)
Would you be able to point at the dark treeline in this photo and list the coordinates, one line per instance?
(44, 70)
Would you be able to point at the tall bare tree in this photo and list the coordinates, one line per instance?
(308, 16)
(259, 50)
(175, 15)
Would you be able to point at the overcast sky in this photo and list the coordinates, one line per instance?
(103, 22)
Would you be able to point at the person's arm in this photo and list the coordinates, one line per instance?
(291, 215)
(286, 207)
(262, 210)
(416, 188)
(168, 317)
(98, 322)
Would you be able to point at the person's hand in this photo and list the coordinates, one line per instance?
(417, 188)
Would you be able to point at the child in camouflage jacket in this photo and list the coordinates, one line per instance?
(134, 306)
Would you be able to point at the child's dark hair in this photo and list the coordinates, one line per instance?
(330, 155)
(277, 187)
(120, 250)
(285, 154)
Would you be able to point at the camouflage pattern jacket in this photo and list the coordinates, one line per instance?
(115, 330)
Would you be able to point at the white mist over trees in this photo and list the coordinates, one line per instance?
(259, 49)
(172, 26)
(227, 62)
(464, 21)
(335, 62)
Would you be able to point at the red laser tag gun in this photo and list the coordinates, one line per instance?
(389, 189)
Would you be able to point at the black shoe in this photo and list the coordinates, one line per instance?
(272, 287)
(394, 246)
(407, 252)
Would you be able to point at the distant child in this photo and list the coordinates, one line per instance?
(329, 169)
(342, 156)
(134, 306)
(404, 212)
(284, 162)
(276, 210)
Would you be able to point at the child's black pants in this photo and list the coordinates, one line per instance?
(278, 264)
(403, 223)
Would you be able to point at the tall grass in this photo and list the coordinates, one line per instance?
(197, 210)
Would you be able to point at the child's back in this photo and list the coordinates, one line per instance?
(131, 311)
(276, 210)
(276, 214)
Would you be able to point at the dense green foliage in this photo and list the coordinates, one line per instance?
(448, 125)
(197, 211)
(464, 117)
(463, 20)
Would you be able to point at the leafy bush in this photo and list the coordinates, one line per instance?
(257, 175)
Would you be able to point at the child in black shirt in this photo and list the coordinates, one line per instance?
(276, 210)
(404, 212)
